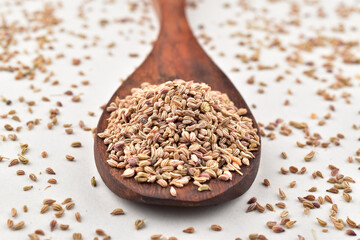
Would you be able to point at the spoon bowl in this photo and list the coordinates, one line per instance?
(175, 55)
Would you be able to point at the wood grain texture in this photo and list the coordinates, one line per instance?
(176, 54)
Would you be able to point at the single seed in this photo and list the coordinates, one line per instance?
(48, 201)
(270, 224)
(319, 174)
(10, 223)
(13, 212)
(69, 157)
(351, 223)
(253, 236)
(67, 200)
(282, 194)
(269, 207)
(32, 177)
(252, 207)
(350, 232)
(280, 205)
(333, 190)
(23, 159)
(312, 189)
(78, 216)
(25, 208)
(139, 224)
(156, 237)
(50, 171)
(18, 226)
(321, 222)
(266, 182)
(52, 181)
(100, 232)
(309, 156)
(77, 236)
(44, 209)
(284, 213)
(69, 130)
(39, 232)
(293, 169)
(290, 224)
(33, 236)
(27, 188)
(347, 197)
(93, 182)
(310, 197)
(76, 144)
(44, 154)
(117, 211)
(259, 207)
(59, 214)
(189, 230)
(292, 184)
(64, 226)
(278, 229)
(56, 207)
(284, 171)
(328, 199)
(173, 191)
(53, 224)
(70, 205)
(302, 170)
(252, 200)
(216, 227)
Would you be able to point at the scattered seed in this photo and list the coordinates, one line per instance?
(266, 182)
(252, 200)
(50, 171)
(321, 222)
(282, 194)
(216, 227)
(13, 212)
(70, 205)
(117, 211)
(100, 232)
(93, 182)
(270, 207)
(27, 188)
(64, 226)
(44, 154)
(350, 232)
(77, 236)
(189, 230)
(278, 229)
(53, 225)
(18, 226)
(139, 224)
(156, 237)
(69, 157)
(280, 205)
(290, 224)
(76, 144)
(78, 216)
(309, 156)
(44, 209)
(67, 200)
(48, 201)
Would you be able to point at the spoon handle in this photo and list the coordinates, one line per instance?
(174, 27)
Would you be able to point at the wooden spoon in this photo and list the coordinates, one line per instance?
(176, 54)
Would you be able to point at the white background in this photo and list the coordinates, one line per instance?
(105, 72)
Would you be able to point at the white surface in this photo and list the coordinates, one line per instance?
(104, 72)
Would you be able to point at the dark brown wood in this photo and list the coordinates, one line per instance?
(176, 54)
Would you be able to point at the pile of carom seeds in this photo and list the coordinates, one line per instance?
(178, 131)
